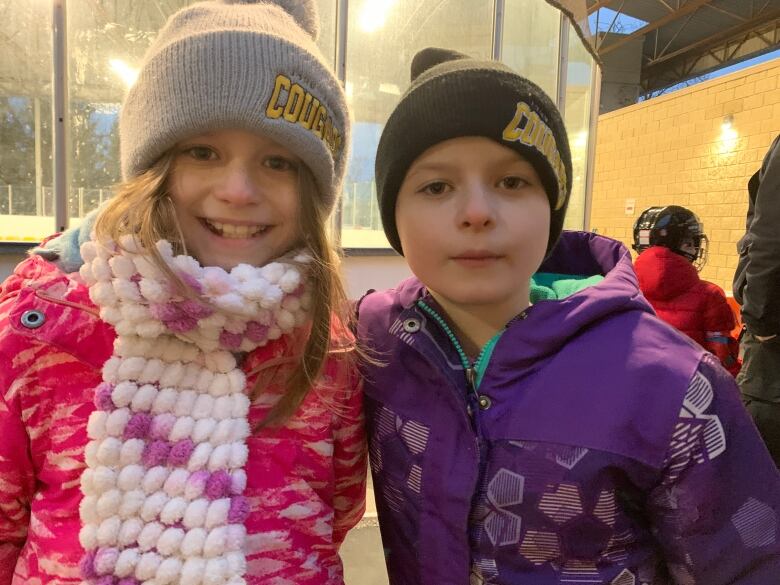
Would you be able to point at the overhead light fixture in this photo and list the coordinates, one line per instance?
(374, 14)
(124, 71)
(728, 135)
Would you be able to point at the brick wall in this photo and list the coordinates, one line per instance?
(674, 150)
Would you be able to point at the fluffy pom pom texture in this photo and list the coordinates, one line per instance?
(165, 472)
(304, 12)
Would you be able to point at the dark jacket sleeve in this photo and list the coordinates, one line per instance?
(715, 511)
(761, 293)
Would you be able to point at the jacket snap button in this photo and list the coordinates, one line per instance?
(411, 325)
(33, 319)
(485, 402)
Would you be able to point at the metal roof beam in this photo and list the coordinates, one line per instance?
(674, 37)
(598, 5)
(684, 10)
(735, 46)
(759, 21)
(727, 13)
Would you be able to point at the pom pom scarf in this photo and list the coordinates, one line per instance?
(167, 446)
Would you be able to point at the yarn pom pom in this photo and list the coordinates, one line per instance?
(303, 11)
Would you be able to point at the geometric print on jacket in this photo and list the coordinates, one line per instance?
(565, 510)
(402, 442)
(698, 438)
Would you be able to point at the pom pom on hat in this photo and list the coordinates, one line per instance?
(432, 56)
(304, 12)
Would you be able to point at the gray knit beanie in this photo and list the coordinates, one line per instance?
(242, 65)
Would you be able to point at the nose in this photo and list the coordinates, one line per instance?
(477, 210)
(237, 186)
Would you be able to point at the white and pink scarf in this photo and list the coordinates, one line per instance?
(167, 446)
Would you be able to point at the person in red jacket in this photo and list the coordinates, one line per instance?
(672, 249)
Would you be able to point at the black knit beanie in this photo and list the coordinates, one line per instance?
(453, 95)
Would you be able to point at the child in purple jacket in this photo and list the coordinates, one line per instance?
(531, 421)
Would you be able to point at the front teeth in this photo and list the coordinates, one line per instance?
(229, 230)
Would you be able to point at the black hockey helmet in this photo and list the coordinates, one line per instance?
(673, 227)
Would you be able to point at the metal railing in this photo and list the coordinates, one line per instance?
(27, 200)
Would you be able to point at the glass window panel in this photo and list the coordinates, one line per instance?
(106, 44)
(26, 205)
(383, 36)
(530, 41)
(327, 39)
(577, 119)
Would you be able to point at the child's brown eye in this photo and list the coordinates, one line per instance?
(279, 163)
(201, 153)
(436, 188)
(513, 182)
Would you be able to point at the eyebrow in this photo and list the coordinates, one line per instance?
(431, 167)
(443, 166)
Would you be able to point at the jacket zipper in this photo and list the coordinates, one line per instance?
(470, 368)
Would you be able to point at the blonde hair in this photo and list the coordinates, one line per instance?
(143, 208)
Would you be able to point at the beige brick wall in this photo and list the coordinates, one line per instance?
(673, 150)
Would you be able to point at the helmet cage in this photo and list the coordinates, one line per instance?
(671, 227)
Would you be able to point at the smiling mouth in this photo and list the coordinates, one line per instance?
(233, 231)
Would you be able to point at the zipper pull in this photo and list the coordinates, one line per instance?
(471, 378)
(471, 393)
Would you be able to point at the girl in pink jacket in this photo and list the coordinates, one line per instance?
(178, 397)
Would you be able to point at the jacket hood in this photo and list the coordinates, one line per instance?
(663, 274)
(552, 323)
(64, 249)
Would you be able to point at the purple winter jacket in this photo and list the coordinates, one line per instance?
(608, 448)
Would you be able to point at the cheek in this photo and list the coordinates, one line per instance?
(414, 224)
(535, 216)
(288, 211)
(183, 189)
(291, 206)
(421, 244)
(537, 229)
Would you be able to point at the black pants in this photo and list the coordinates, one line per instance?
(759, 381)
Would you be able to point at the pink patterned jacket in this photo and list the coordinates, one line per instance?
(306, 480)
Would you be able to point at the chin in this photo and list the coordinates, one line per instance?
(471, 297)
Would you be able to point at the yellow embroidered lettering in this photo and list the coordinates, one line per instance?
(308, 111)
(527, 127)
(337, 142)
(513, 130)
(294, 103)
(319, 121)
(274, 110)
(531, 130)
(546, 144)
